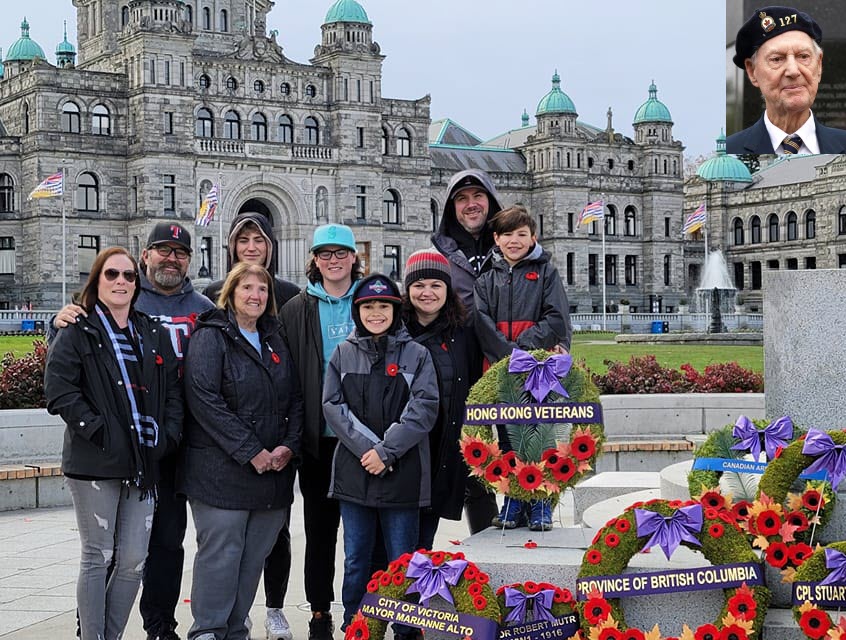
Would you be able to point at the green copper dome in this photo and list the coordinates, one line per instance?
(723, 168)
(25, 48)
(64, 46)
(2, 68)
(653, 110)
(556, 101)
(346, 11)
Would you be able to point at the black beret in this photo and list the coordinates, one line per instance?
(770, 22)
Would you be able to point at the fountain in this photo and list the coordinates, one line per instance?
(716, 293)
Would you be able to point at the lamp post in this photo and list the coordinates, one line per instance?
(204, 249)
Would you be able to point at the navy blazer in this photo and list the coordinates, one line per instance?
(756, 139)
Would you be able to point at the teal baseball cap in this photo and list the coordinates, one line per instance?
(337, 235)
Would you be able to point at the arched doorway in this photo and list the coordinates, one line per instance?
(255, 205)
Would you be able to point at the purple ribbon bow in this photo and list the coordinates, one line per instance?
(832, 457)
(541, 605)
(835, 560)
(543, 376)
(668, 533)
(776, 434)
(431, 580)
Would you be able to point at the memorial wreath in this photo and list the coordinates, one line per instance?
(549, 611)
(825, 568)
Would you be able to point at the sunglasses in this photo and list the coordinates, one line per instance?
(112, 274)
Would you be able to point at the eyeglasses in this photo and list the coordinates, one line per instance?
(112, 274)
(165, 250)
(327, 254)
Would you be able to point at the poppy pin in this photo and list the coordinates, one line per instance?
(159, 359)
(444, 346)
(532, 275)
(530, 544)
(392, 370)
(275, 357)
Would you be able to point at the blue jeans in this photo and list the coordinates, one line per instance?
(400, 528)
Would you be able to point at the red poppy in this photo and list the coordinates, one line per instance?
(373, 586)
(799, 552)
(711, 513)
(358, 629)
(392, 369)
(741, 510)
(510, 458)
(480, 602)
(458, 555)
(563, 595)
(531, 587)
(815, 623)
(437, 557)
(483, 578)
(530, 544)
(398, 579)
(594, 556)
(564, 471)
(377, 574)
(597, 536)
(707, 632)
(634, 634)
(476, 453)
(471, 572)
(609, 633)
(530, 477)
(622, 525)
(768, 523)
(733, 632)
(546, 585)
(798, 520)
(612, 540)
(811, 499)
(583, 447)
(501, 590)
(496, 470)
(777, 554)
(712, 499)
(551, 457)
(275, 357)
(475, 589)
(444, 347)
(159, 359)
(716, 530)
(673, 504)
(596, 610)
(532, 275)
(742, 606)
(385, 579)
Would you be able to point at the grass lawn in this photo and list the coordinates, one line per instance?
(19, 345)
(596, 347)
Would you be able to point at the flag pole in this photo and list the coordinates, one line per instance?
(64, 245)
(705, 231)
(604, 304)
(221, 251)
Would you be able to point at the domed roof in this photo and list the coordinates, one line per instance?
(64, 46)
(2, 68)
(556, 101)
(346, 11)
(723, 168)
(653, 110)
(25, 48)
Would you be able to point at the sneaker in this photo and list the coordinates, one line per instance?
(164, 634)
(511, 516)
(320, 627)
(249, 625)
(276, 626)
(540, 518)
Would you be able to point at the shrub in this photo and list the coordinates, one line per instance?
(22, 379)
(728, 377)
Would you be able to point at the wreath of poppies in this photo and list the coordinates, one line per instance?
(471, 595)
(814, 622)
(722, 542)
(546, 461)
(563, 602)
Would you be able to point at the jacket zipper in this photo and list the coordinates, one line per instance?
(510, 302)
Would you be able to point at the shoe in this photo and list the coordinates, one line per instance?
(249, 624)
(511, 516)
(540, 518)
(165, 634)
(276, 625)
(320, 627)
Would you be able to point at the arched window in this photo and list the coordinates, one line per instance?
(391, 207)
(205, 124)
(259, 127)
(25, 117)
(223, 23)
(286, 129)
(7, 193)
(231, 83)
(403, 142)
(792, 226)
(384, 141)
(810, 224)
(611, 220)
(258, 86)
(207, 25)
(433, 207)
(738, 231)
(841, 221)
(189, 14)
(204, 81)
(100, 121)
(70, 118)
(631, 221)
(755, 230)
(87, 193)
(285, 89)
(311, 91)
(312, 131)
(124, 16)
(231, 126)
(772, 227)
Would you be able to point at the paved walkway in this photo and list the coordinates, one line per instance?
(39, 561)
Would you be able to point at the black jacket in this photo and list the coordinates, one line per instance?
(756, 139)
(239, 403)
(453, 353)
(83, 384)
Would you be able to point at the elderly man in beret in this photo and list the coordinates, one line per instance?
(779, 47)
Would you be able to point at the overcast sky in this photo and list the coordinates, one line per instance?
(484, 61)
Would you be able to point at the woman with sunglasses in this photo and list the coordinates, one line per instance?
(112, 377)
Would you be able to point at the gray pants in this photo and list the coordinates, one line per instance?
(114, 529)
(231, 547)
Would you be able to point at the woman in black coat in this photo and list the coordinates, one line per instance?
(435, 318)
(242, 438)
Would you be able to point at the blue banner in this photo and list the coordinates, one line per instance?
(575, 412)
(736, 465)
(412, 614)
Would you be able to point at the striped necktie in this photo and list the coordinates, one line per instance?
(791, 145)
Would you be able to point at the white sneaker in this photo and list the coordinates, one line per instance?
(276, 626)
(249, 624)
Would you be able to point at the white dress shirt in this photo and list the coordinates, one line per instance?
(808, 133)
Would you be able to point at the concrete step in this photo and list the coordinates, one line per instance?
(38, 484)
(609, 485)
(640, 454)
(595, 516)
(674, 481)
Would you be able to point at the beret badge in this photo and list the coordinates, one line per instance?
(767, 23)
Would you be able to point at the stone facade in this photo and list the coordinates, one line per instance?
(168, 97)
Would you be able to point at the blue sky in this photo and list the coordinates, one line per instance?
(484, 62)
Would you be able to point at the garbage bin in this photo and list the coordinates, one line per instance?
(665, 327)
(27, 325)
(657, 326)
(39, 326)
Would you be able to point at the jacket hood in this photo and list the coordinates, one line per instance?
(316, 289)
(537, 255)
(238, 223)
(449, 225)
(393, 290)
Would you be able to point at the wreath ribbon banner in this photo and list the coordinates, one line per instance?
(564, 627)
(412, 614)
(824, 595)
(724, 576)
(575, 412)
(734, 465)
